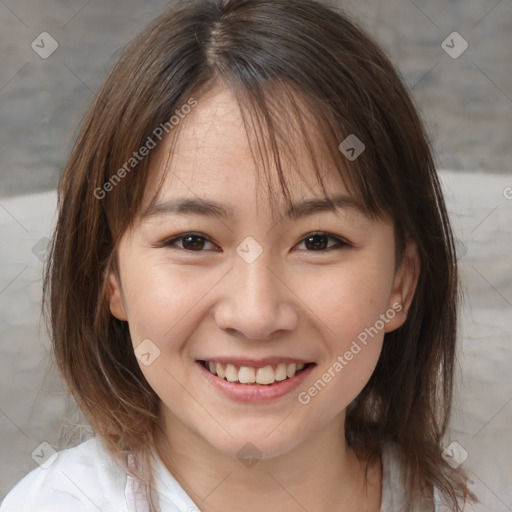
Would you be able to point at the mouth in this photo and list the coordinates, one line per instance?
(255, 381)
(261, 375)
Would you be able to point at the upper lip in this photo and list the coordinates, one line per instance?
(255, 363)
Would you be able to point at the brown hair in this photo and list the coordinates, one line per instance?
(298, 60)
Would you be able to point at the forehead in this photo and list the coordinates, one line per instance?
(211, 156)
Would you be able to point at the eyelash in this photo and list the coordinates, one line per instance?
(340, 243)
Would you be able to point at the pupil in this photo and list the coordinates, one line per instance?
(316, 242)
(194, 242)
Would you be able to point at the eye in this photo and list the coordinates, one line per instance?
(191, 242)
(320, 242)
(196, 242)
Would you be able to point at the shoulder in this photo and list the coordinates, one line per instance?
(83, 478)
(394, 481)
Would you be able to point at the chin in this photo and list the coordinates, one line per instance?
(253, 445)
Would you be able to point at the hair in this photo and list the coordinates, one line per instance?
(300, 70)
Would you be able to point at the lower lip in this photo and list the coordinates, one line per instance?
(254, 392)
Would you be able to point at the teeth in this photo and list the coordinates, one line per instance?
(221, 371)
(231, 373)
(290, 370)
(281, 372)
(248, 375)
(265, 375)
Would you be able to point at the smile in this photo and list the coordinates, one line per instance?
(252, 380)
(265, 375)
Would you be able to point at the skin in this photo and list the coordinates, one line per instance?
(292, 301)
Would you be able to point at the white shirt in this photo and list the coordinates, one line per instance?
(85, 479)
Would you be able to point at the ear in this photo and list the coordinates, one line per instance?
(115, 296)
(404, 287)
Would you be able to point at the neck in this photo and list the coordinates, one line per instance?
(322, 473)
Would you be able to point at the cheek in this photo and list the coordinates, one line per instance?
(353, 347)
(352, 304)
(161, 296)
(349, 298)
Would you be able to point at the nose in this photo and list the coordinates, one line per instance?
(256, 302)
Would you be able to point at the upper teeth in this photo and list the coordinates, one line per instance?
(249, 375)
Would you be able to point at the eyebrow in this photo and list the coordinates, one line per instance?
(210, 208)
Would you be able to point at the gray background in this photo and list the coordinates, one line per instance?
(466, 104)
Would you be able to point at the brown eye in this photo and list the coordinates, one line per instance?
(320, 242)
(190, 242)
(193, 242)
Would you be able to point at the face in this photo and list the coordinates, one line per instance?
(252, 324)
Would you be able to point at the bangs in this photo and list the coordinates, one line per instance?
(288, 131)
